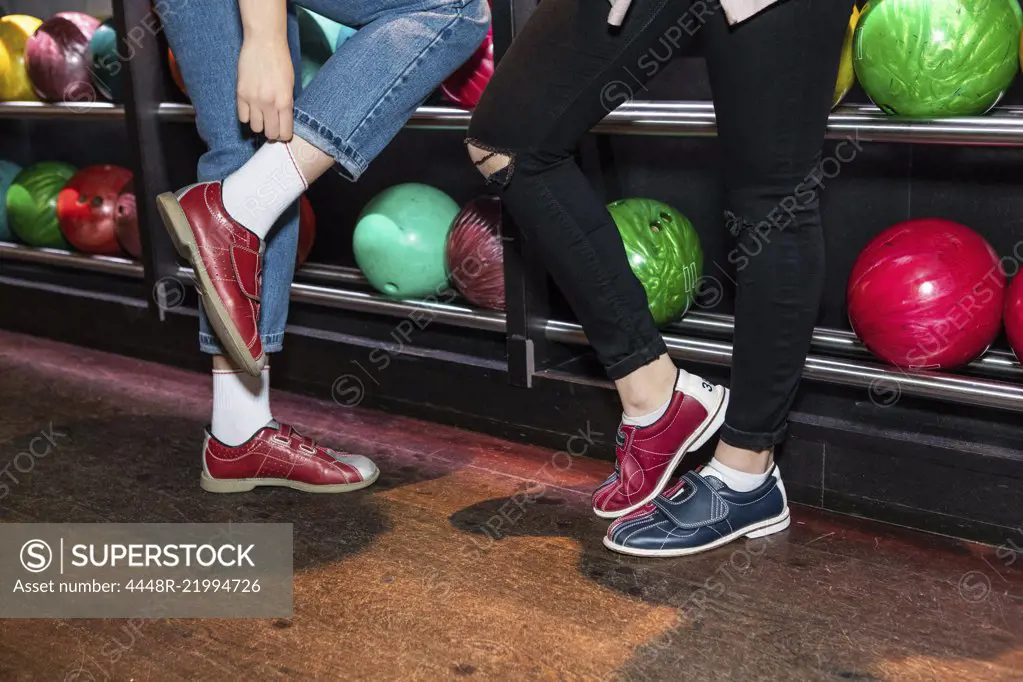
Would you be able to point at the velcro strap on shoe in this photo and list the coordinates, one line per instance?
(246, 263)
(698, 504)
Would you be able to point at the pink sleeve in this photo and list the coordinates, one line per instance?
(741, 10)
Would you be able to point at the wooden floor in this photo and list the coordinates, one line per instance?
(474, 559)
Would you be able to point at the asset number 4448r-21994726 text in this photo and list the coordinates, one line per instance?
(194, 585)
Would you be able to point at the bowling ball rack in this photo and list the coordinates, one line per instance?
(497, 371)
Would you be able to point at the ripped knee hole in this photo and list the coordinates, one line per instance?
(495, 165)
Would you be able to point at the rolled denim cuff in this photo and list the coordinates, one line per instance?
(209, 344)
(351, 163)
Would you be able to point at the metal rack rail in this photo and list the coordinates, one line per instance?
(85, 110)
(111, 265)
(1003, 127)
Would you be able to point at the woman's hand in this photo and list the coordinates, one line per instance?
(266, 77)
(266, 86)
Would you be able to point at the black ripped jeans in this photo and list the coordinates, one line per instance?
(773, 78)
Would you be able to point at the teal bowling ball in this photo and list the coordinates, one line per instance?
(318, 38)
(937, 58)
(400, 239)
(107, 65)
(7, 172)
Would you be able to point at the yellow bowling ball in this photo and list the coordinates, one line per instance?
(15, 29)
(846, 75)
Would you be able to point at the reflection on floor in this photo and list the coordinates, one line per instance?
(473, 558)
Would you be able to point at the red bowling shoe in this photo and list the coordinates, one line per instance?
(227, 260)
(649, 455)
(277, 455)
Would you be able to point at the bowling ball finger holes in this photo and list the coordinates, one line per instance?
(658, 225)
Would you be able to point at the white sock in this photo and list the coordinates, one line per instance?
(739, 481)
(260, 191)
(241, 405)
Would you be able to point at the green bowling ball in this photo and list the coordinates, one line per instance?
(400, 238)
(318, 38)
(32, 203)
(935, 58)
(664, 252)
(8, 171)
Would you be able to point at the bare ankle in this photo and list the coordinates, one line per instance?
(748, 461)
(648, 387)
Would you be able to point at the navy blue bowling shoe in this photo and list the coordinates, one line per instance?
(700, 513)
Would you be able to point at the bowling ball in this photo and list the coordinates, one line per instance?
(32, 203)
(475, 253)
(465, 86)
(86, 208)
(126, 222)
(1014, 316)
(15, 30)
(927, 294)
(664, 252)
(176, 72)
(400, 237)
(57, 58)
(106, 62)
(933, 58)
(306, 231)
(7, 172)
(319, 38)
(846, 73)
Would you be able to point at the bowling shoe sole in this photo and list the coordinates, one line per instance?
(180, 231)
(244, 485)
(695, 441)
(758, 530)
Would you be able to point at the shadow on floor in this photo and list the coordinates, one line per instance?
(774, 608)
(132, 469)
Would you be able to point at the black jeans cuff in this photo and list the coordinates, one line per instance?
(636, 359)
(753, 440)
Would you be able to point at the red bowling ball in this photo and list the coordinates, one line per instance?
(57, 58)
(465, 86)
(86, 208)
(1014, 316)
(475, 253)
(927, 294)
(126, 222)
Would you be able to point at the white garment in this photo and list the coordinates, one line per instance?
(735, 10)
(263, 188)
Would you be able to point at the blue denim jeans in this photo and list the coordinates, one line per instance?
(356, 104)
